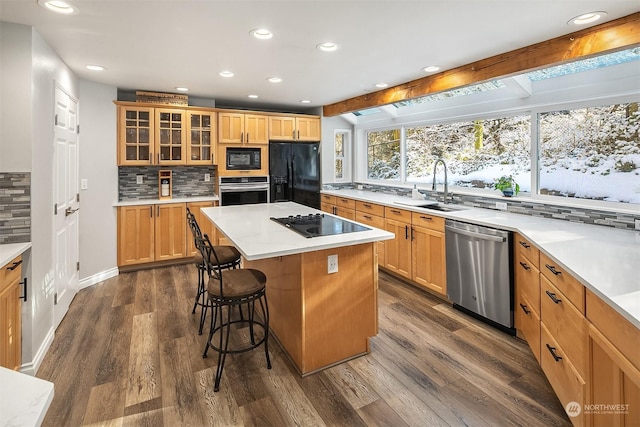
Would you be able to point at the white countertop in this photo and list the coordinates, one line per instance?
(24, 399)
(163, 201)
(9, 251)
(256, 236)
(604, 259)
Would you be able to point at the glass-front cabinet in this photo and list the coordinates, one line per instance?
(200, 150)
(135, 133)
(170, 138)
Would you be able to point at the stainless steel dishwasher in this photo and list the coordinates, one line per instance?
(479, 273)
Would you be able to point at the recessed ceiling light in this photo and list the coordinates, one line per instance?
(95, 67)
(381, 85)
(252, 96)
(587, 18)
(59, 6)
(226, 73)
(327, 47)
(182, 89)
(305, 101)
(274, 79)
(431, 69)
(261, 33)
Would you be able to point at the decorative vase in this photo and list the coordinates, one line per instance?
(507, 192)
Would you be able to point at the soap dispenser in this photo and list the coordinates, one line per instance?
(415, 194)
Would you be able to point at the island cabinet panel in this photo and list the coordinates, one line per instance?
(136, 225)
(11, 314)
(320, 318)
(170, 231)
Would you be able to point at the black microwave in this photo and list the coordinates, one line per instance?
(243, 158)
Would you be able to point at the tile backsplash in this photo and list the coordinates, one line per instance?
(15, 207)
(519, 206)
(187, 181)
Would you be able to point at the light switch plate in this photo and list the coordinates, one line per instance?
(138, 179)
(207, 177)
(637, 222)
(84, 184)
(501, 205)
(332, 264)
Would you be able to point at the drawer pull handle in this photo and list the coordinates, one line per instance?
(552, 350)
(428, 218)
(14, 265)
(24, 288)
(552, 269)
(553, 297)
(367, 217)
(524, 244)
(395, 211)
(406, 232)
(366, 205)
(525, 266)
(524, 308)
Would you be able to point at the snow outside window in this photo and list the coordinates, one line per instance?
(383, 155)
(341, 144)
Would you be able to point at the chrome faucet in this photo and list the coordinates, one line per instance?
(446, 182)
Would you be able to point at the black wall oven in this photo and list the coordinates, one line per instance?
(243, 158)
(243, 190)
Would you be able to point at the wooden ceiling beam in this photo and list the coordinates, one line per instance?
(608, 37)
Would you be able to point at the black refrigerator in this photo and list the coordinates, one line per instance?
(294, 172)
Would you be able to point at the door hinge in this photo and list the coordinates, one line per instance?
(78, 129)
(78, 266)
(77, 197)
(55, 120)
(55, 209)
(55, 298)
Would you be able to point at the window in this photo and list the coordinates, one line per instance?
(591, 153)
(383, 155)
(341, 144)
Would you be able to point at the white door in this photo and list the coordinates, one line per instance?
(65, 190)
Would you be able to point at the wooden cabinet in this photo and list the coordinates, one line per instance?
(373, 215)
(428, 252)
(11, 314)
(149, 233)
(527, 292)
(201, 138)
(136, 141)
(397, 251)
(340, 206)
(240, 128)
(170, 136)
(294, 128)
(206, 226)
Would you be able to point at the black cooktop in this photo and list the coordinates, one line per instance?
(314, 225)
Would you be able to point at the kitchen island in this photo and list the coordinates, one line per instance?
(319, 318)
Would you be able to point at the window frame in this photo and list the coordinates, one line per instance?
(346, 155)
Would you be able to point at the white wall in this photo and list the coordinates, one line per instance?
(98, 234)
(15, 106)
(329, 125)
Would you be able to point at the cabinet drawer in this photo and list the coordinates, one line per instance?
(528, 322)
(528, 280)
(622, 333)
(562, 280)
(525, 247)
(397, 214)
(428, 221)
(564, 322)
(326, 207)
(371, 208)
(328, 198)
(345, 212)
(345, 202)
(369, 219)
(562, 375)
(11, 271)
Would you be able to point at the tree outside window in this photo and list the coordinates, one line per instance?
(383, 155)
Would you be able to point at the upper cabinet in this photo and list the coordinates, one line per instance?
(135, 135)
(201, 138)
(170, 136)
(294, 128)
(240, 128)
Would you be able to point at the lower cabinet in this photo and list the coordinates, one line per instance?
(11, 314)
(397, 251)
(428, 252)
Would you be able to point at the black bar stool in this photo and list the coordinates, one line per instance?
(231, 288)
(228, 256)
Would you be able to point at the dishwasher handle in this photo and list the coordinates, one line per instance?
(482, 236)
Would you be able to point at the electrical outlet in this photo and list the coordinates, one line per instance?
(139, 179)
(207, 177)
(84, 184)
(637, 221)
(332, 264)
(501, 205)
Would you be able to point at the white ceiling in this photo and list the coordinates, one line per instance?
(157, 45)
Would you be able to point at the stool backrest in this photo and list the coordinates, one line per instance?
(193, 225)
(211, 260)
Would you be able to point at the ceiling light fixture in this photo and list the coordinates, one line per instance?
(587, 18)
(381, 85)
(95, 67)
(182, 89)
(431, 69)
(252, 96)
(274, 79)
(261, 33)
(327, 47)
(59, 6)
(305, 101)
(226, 73)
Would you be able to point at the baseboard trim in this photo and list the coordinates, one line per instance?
(98, 277)
(32, 368)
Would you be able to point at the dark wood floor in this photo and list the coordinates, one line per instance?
(128, 353)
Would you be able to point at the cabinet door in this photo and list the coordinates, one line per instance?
(308, 129)
(256, 129)
(398, 250)
(201, 138)
(282, 128)
(10, 324)
(327, 207)
(345, 212)
(205, 225)
(428, 259)
(135, 234)
(135, 136)
(170, 136)
(170, 231)
(230, 128)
